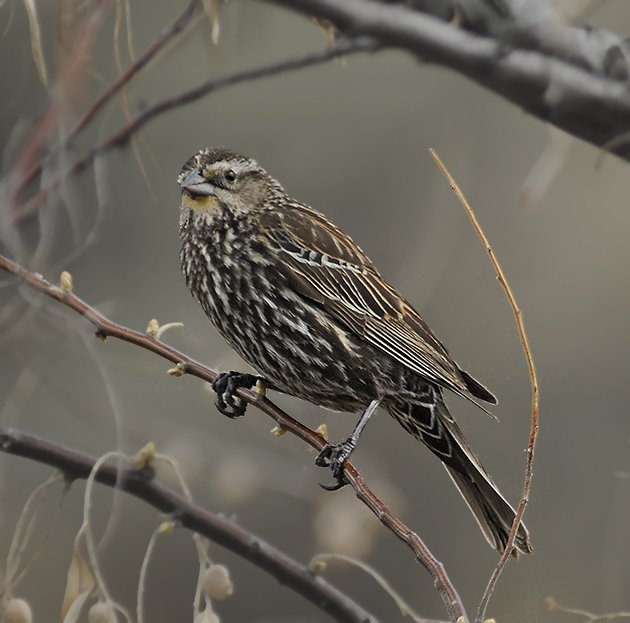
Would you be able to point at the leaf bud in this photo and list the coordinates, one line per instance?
(66, 281)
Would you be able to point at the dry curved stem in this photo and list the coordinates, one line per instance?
(36, 41)
(85, 531)
(43, 542)
(77, 464)
(163, 528)
(185, 365)
(403, 606)
(23, 533)
(518, 314)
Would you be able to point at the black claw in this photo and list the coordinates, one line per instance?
(225, 386)
(333, 455)
(340, 485)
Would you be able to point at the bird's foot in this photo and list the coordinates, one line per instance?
(333, 455)
(225, 386)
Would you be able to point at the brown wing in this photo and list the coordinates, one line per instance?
(323, 264)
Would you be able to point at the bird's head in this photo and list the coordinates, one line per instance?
(219, 181)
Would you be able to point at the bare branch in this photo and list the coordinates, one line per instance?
(31, 150)
(219, 529)
(185, 365)
(150, 54)
(580, 98)
(122, 137)
(518, 314)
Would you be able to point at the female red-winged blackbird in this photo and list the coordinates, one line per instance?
(301, 303)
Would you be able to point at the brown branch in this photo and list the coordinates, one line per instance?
(122, 136)
(219, 529)
(106, 328)
(518, 314)
(162, 40)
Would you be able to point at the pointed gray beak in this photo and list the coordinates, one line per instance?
(197, 185)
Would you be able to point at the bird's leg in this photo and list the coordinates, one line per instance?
(225, 386)
(334, 454)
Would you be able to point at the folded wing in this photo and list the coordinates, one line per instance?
(324, 265)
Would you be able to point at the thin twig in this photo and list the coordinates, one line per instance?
(76, 464)
(124, 101)
(143, 573)
(518, 314)
(86, 531)
(162, 40)
(43, 542)
(23, 533)
(122, 136)
(554, 606)
(39, 135)
(185, 365)
(403, 606)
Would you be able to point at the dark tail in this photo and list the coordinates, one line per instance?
(429, 421)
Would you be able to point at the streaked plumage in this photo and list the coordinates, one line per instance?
(301, 303)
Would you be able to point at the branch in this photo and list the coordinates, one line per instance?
(518, 314)
(219, 529)
(581, 101)
(38, 136)
(185, 365)
(120, 138)
(538, 25)
(554, 606)
(150, 54)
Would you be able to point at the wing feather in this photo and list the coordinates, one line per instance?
(323, 264)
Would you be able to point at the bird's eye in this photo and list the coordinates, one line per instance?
(230, 176)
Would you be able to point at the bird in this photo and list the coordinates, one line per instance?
(303, 305)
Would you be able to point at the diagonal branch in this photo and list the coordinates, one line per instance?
(75, 464)
(583, 101)
(122, 136)
(185, 365)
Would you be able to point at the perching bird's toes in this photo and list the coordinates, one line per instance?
(225, 386)
(333, 455)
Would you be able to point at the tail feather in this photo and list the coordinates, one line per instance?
(429, 421)
(493, 514)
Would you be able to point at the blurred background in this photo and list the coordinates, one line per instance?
(351, 139)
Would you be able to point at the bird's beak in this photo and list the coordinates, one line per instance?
(197, 185)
